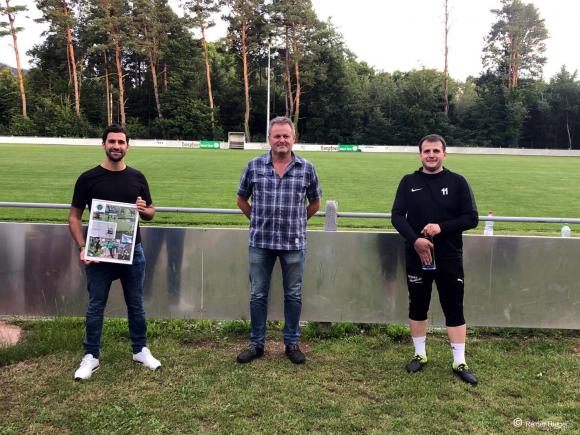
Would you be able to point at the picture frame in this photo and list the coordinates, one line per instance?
(112, 232)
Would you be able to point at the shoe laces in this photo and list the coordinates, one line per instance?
(145, 351)
(462, 367)
(293, 347)
(419, 358)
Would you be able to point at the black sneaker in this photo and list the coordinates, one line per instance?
(294, 354)
(250, 354)
(462, 371)
(416, 364)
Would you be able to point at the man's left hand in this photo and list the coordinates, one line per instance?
(141, 204)
(431, 230)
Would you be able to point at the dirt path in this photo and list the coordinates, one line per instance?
(9, 334)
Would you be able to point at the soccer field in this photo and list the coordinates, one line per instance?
(508, 185)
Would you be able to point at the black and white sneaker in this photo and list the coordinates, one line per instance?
(144, 357)
(88, 365)
(462, 371)
(416, 364)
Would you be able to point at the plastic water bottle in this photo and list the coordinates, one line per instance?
(566, 231)
(488, 228)
(430, 266)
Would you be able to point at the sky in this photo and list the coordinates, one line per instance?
(399, 35)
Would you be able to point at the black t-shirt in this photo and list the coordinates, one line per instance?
(445, 199)
(120, 186)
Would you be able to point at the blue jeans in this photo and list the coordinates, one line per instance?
(261, 264)
(100, 276)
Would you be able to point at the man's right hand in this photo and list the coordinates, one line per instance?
(424, 249)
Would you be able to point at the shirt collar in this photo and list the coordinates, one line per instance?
(296, 160)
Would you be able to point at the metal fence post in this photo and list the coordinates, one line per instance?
(330, 223)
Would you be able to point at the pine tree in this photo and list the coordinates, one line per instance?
(245, 19)
(515, 44)
(9, 28)
(201, 19)
(62, 21)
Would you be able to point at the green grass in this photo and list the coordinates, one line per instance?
(508, 185)
(353, 382)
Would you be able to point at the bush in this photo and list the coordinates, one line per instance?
(136, 129)
(21, 126)
(51, 118)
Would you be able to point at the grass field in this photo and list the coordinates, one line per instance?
(508, 185)
(353, 382)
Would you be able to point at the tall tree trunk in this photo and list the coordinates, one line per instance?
(155, 86)
(165, 79)
(68, 69)
(246, 82)
(80, 67)
(297, 103)
(18, 68)
(207, 70)
(296, 55)
(112, 107)
(153, 68)
(137, 74)
(568, 126)
(120, 76)
(513, 67)
(516, 69)
(446, 72)
(286, 98)
(72, 60)
(290, 95)
(108, 92)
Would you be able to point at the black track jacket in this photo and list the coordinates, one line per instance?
(445, 199)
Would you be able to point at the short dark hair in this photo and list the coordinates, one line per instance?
(432, 138)
(115, 128)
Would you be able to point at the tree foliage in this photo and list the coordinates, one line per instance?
(515, 44)
(8, 27)
(138, 63)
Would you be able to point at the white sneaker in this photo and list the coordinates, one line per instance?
(88, 365)
(144, 357)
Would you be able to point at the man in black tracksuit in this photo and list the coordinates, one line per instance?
(432, 208)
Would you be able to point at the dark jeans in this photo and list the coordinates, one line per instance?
(99, 279)
(261, 264)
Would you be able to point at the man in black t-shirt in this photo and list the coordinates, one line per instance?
(432, 208)
(113, 180)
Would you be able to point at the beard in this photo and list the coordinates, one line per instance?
(113, 158)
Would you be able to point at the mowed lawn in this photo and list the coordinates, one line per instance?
(354, 381)
(508, 185)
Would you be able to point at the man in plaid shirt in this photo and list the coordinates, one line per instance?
(279, 184)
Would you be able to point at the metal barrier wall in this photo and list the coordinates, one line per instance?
(349, 277)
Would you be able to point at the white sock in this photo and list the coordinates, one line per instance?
(458, 350)
(419, 343)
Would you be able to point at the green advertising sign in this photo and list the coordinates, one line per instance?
(209, 144)
(348, 148)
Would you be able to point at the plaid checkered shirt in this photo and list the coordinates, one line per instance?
(278, 218)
